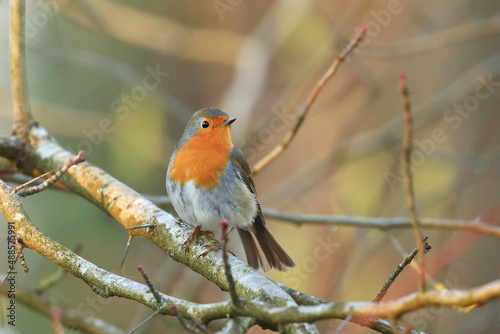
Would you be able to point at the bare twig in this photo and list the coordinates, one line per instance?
(309, 102)
(158, 298)
(30, 182)
(55, 318)
(227, 267)
(408, 178)
(380, 295)
(344, 323)
(127, 247)
(475, 226)
(129, 241)
(144, 322)
(50, 181)
(401, 250)
(155, 293)
(22, 113)
(196, 328)
(140, 226)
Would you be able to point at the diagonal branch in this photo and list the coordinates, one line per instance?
(309, 102)
(392, 277)
(23, 191)
(280, 310)
(130, 209)
(108, 284)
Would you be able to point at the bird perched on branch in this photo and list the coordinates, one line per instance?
(209, 180)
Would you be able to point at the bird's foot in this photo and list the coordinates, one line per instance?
(196, 233)
(213, 248)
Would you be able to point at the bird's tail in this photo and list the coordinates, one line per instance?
(262, 249)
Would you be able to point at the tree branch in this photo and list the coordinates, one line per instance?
(108, 284)
(131, 209)
(309, 102)
(392, 309)
(43, 304)
(408, 178)
(475, 226)
(392, 277)
(22, 113)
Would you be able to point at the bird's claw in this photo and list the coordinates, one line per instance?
(196, 233)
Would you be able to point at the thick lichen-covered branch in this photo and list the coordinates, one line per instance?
(131, 209)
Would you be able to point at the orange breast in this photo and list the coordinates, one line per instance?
(202, 159)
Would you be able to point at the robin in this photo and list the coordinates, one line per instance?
(209, 180)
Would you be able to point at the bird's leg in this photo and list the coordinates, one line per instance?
(216, 247)
(196, 233)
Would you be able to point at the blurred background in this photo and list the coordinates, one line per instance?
(120, 79)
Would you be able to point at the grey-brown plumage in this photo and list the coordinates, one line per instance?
(261, 248)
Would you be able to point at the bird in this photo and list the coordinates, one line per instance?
(209, 180)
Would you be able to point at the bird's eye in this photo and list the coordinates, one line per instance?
(205, 124)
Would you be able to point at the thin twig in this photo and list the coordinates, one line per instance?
(30, 182)
(155, 293)
(55, 319)
(400, 249)
(197, 327)
(309, 102)
(21, 106)
(408, 178)
(129, 241)
(144, 322)
(127, 246)
(225, 257)
(51, 180)
(140, 226)
(344, 323)
(476, 226)
(380, 295)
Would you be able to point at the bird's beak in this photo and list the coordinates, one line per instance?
(228, 122)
